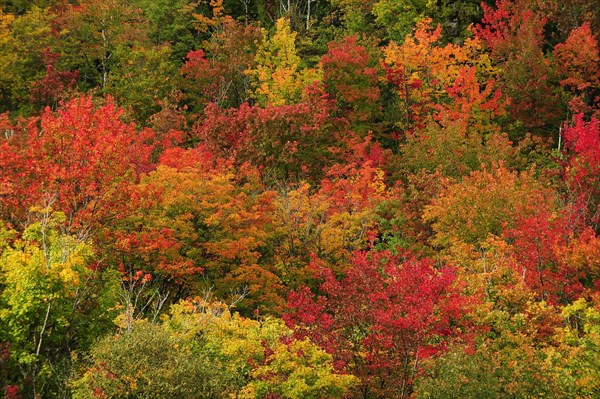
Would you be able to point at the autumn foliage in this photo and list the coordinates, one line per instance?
(299, 199)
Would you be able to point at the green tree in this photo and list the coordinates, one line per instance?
(23, 40)
(398, 17)
(97, 34)
(144, 77)
(171, 21)
(52, 304)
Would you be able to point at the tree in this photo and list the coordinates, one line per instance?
(279, 79)
(421, 70)
(381, 319)
(575, 359)
(556, 259)
(581, 170)
(144, 77)
(398, 17)
(217, 73)
(514, 33)
(96, 34)
(52, 303)
(173, 22)
(463, 134)
(198, 220)
(286, 142)
(81, 158)
(456, 16)
(331, 221)
(579, 64)
(538, 351)
(485, 203)
(351, 78)
(356, 16)
(55, 86)
(24, 42)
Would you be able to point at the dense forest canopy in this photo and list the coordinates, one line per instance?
(293, 199)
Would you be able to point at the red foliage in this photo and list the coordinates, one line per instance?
(78, 160)
(496, 24)
(385, 315)
(217, 75)
(283, 141)
(537, 242)
(12, 392)
(180, 158)
(579, 63)
(357, 184)
(471, 98)
(350, 80)
(582, 169)
(55, 85)
(198, 70)
(514, 32)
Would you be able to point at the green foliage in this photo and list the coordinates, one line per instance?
(23, 39)
(295, 371)
(455, 16)
(511, 372)
(577, 359)
(171, 21)
(527, 354)
(150, 363)
(144, 77)
(445, 146)
(398, 17)
(51, 303)
(96, 34)
(356, 15)
(203, 351)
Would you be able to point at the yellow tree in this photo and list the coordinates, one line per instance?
(279, 79)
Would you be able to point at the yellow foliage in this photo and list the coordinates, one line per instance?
(278, 78)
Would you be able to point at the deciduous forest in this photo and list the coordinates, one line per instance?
(299, 199)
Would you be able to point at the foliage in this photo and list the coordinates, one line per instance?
(203, 351)
(192, 219)
(52, 304)
(145, 77)
(381, 319)
(579, 62)
(514, 33)
(483, 203)
(421, 70)
(581, 168)
(398, 17)
(79, 159)
(217, 75)
(350, 78)
(279, 78)
(24, 40)
(417, 180)
(286, 142)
